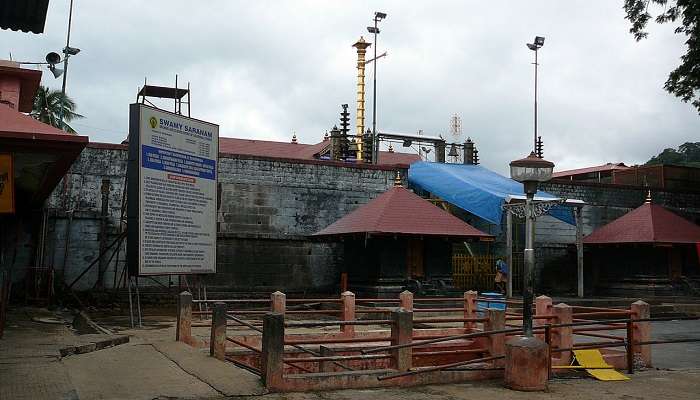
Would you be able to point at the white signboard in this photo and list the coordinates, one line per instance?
(177, 160)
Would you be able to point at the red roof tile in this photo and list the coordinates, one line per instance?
(288, 150)
(400, 211)
(649, 223)
(16, 125)
(597, 168)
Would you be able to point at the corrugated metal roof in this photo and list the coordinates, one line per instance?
(400, 211)
(288, 150)
(650, 223)
(23, 15)
(597, 168)
(16, 125)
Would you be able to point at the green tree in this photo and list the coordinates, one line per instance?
(684, 81)
(687, 154)
(47, 109)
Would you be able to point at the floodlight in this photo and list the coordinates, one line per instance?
(531, 46)
(379, 15)
(372, 29)
(53, 58)
(539, 41)
(71, 51)
(55, 71)
(407, 142)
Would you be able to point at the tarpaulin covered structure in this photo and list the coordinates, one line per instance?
(475, 189)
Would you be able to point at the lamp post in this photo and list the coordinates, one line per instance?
(68, 51)
(534, 46)
(530, 170)
(378, 16)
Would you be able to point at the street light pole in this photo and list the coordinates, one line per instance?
(530, 171)
(534, 148)
(378, 16)
(535, 46)
(65, 65)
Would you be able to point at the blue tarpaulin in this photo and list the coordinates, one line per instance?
(475, 189)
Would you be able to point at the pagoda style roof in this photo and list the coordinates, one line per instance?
(649, 223)
(398, 211)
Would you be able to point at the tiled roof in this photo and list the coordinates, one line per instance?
(650, 223)
(16, 125)
(288, 150)
(597, 168)
(400, 211)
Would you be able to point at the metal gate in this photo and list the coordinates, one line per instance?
(479, 271)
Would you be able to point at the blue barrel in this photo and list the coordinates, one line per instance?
(482, 305)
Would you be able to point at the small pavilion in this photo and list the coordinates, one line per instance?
(649, 250)
(397, 240)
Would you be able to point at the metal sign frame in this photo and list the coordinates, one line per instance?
(135, 176)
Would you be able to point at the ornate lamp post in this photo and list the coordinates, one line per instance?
(530, 170)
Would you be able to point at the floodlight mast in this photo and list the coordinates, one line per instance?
(534, 46)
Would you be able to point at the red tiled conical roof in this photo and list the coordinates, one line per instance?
(650, 223)
(400, 211)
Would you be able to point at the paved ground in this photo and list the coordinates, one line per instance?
(153, 366)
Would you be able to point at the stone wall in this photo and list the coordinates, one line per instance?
(267, 210)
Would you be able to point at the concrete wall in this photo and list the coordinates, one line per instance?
(267, 210)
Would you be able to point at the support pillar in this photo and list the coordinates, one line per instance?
(406, 298)
(183, 332)
(347, 312)
(401, 333)
(642, 331)
(470, 308)
(278, 302)
(496, 321)
(526, 364)
(217, 342)
(509, 253)
(563, 337)
(579, 250)
(272, 365)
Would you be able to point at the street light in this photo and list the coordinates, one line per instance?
(530, 170)
(378, 16)
(534, 46)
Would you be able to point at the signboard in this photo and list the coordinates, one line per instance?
(7, 184)
(172, 193)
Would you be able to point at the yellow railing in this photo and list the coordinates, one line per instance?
(479, 271)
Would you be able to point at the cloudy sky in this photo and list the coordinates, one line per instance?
(265, 69)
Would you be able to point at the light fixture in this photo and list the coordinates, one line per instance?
(539, 41)
(71, 51)
(407, 142)
(530, 171)
(372, 29)
(379, 15)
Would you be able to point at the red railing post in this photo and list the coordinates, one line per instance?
(406, 299)
(272, 364)
(641, 331)
(347, 312)
(217, 343)
(562, 337)
(278, 302)
(543, 306)
(496, 342)
(401, 333)
(470, 308)
(183, 331)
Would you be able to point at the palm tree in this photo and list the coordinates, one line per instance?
(47, 108)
